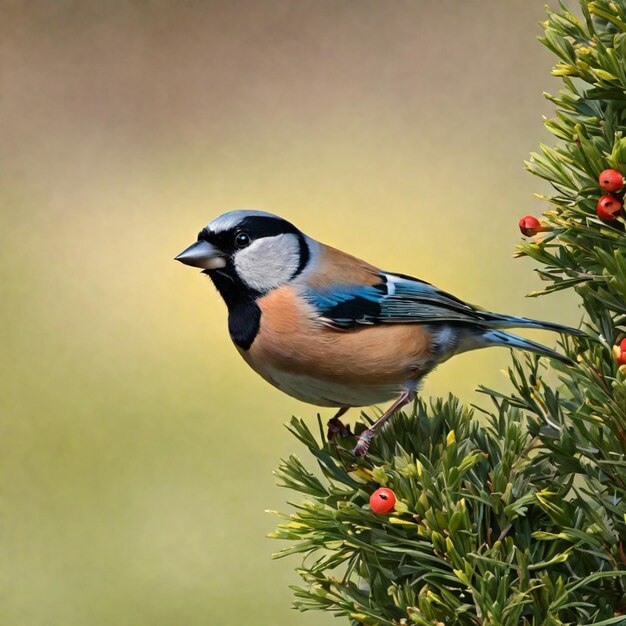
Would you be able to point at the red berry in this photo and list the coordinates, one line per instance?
(619, 352)
(382, 501)
(530, 225)
(609, 207)
(611, 180)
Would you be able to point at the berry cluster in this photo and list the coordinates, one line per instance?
(611, 204)
(609, 208)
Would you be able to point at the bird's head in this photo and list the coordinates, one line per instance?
(248, 253)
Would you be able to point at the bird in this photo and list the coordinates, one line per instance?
(333, 330)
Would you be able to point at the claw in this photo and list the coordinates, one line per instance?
(366, 437)
(363, 444)
(337, 428)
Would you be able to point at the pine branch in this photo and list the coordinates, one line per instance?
(473, 538)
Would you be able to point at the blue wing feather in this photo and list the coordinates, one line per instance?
(395, 298)
(327, 299)
(402, 299)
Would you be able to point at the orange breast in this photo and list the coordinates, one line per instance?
(292, 340)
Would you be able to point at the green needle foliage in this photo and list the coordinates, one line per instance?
(518, 518)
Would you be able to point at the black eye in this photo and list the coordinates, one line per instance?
(242, 240)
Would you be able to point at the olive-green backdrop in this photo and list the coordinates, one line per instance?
(136, 448)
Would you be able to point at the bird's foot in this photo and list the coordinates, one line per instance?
(336, 428)
(363, 444)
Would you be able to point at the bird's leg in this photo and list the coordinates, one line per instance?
(337, 427)
(366, 437)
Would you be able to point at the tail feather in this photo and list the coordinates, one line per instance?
(509, 321)
(501, 338)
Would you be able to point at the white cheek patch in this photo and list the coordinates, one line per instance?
(268, 262)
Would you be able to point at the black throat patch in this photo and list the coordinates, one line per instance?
(244, 322)
(244, 314)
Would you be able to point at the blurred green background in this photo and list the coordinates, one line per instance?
(136, 446)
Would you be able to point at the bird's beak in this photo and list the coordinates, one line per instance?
(202, 254)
